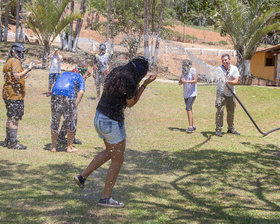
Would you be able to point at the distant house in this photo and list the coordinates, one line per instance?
(266, 63)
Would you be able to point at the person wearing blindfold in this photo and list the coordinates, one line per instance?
(83, 70)
(14, 93)
(121, 90)
(67, 93)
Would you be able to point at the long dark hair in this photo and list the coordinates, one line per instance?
(126, 78)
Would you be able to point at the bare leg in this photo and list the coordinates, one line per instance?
(70, 138)
(190, 118)
(117, 157)
(54, 140)
(98, 161)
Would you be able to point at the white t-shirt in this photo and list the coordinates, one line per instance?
(102, 61)
(231, 74)
(55, 64)
(189, 89)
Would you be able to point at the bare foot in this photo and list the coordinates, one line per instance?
(71, 150)
(53, 150)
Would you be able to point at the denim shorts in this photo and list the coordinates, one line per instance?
(189, 102)
(110, 130)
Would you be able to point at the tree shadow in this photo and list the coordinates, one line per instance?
(216, 187)
(204, 186)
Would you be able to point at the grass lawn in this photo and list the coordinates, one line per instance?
(168, 176)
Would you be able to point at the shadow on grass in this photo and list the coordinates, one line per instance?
(92, 98)
(224, 187)
(177, 129)
(204, 186)
(59, 147)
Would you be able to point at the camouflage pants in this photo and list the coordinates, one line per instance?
(221, 102)
(99, 80)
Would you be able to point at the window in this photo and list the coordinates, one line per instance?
(269, 60)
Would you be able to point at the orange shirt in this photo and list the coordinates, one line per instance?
(13, 88)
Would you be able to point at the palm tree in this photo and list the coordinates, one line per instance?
(246, 24)
(46, 21)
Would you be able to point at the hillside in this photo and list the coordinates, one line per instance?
(171, 52)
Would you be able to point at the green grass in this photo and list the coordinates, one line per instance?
(168, 176)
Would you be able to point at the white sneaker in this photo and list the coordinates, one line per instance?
(110, 202)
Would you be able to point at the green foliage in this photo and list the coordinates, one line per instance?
(246, 23)
(221, 42)
(46, 20)
(195, 12)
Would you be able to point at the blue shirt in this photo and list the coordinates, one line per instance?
(68, 84)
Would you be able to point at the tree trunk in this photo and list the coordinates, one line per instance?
(184, 33)
(45, 55)
(17, 19)
(22, 24)
(146, 29)
(108, 20)
(1, 6)
(159, 31)
(79, 26)
(7, 11)
(243, 65)
(64, 41)
(112, 27)
(152, 6)
(70, 37)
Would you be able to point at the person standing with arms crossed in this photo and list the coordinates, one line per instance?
(224, 96)
(189, 79)
(14, 93)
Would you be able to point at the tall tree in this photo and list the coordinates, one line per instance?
(146, 28)
(7, 14)
(79, 25)
(113, 25)
(70, 39)
(1, 7)
(17, 19)
(22, 24)
(108, 20)
(246, 23)
(46, 21)
(159, 31)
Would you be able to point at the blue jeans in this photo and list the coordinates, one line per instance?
(110, 130)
